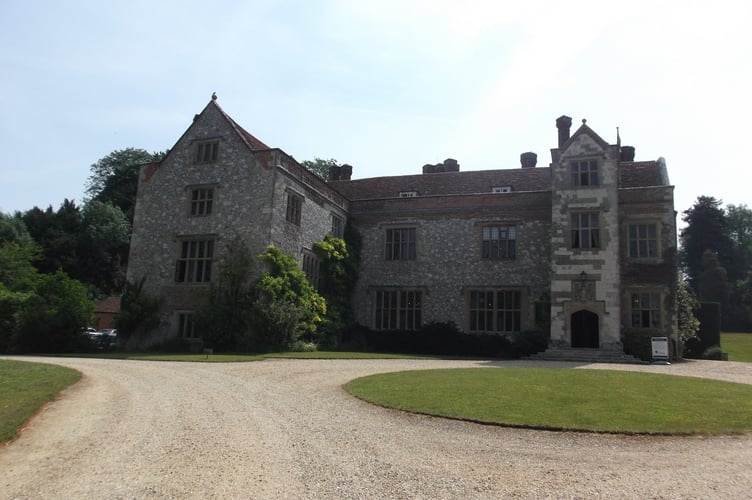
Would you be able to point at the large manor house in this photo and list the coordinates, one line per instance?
(585, 246)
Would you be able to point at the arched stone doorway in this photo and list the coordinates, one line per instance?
(585, 329)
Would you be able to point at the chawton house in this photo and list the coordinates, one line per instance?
(585, 246)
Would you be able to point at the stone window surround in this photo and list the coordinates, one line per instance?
(338, 226)
(570, 230)
(391, 254)
(523, 310)
(198, 145)
(185, 326)
(293, 212)
(310, 264)
(658, 239)
(510, 242)
(191, 188)
(398, 314)
(575, 175)
(655, 293)
(179, 240)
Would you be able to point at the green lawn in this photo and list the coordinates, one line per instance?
(566, 399)
(738, 346)
(24, 388)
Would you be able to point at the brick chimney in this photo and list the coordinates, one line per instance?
(528, 160)
(627, 153)
(346, 172)
(563, 123)
(335, 172)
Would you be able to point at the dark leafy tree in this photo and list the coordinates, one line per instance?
(103, 246)
(139, 312)
(57, 233)
(114, 178)
(707, 229)
(225, 323)
(739, 218)
(340, 259)
(51, 319)
(13, 228)
(18, 280)
(713, 284)
(320, 167)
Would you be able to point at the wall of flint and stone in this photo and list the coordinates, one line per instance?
(448, 262)
(249, 200)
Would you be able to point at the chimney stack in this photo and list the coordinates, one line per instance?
(346, 172)
(627, 153)
(563, 123)
(528, 160)
(335, 173)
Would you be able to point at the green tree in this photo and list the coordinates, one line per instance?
(707, 229)
(51, 319)
(687, 306)
(713, 284)
(114, 178)
(139, 312)
(739, 219)
(340, 260)
(103, 246)
(13, 228)
(286, 307)
(56, 232)
(18, 281)
(225, 323)
(320, 167)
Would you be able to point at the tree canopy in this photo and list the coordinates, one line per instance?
(320, 167)
(717, 258)
(114, 178)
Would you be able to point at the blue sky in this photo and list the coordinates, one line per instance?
(386, 86)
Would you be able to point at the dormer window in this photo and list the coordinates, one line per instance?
(584, 173)
(408, 194)
(207, 152)
(501, 189)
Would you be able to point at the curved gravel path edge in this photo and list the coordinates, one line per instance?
(287, 429)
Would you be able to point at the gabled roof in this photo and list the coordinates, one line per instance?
(584, 130)
(253, 143)
(446, 183)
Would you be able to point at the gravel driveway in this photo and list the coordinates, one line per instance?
(286, 429)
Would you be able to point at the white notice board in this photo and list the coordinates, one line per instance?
(660, 347)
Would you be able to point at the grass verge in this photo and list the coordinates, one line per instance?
(565, 399)
(738, 346)
(24, 388)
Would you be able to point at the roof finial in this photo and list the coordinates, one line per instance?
(214, 96)
(584, 121)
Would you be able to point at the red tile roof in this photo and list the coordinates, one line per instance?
(640, 174)
(632, 174)
(443, 183)
(108, 305)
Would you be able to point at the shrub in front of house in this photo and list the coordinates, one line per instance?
(438, 338)
(638, 342)
(530, 342)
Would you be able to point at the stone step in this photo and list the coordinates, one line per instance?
(584, 355)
